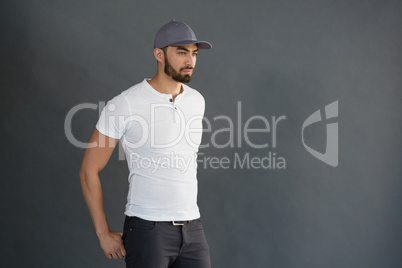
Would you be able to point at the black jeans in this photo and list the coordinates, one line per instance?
(151, 244)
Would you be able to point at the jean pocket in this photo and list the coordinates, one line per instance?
(141, 225)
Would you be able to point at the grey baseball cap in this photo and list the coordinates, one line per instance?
(176, 33)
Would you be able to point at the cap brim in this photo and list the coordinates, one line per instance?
(200, 44)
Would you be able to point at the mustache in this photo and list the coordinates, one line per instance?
(187, 68)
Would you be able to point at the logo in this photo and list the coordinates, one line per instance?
(330, 156)
(257, 136)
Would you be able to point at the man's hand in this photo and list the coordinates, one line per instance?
(112, 245)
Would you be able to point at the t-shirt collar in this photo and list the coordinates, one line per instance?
(163, 95)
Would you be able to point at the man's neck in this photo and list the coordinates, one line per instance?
(166, 85)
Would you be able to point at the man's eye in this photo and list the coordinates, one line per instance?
(182, 53)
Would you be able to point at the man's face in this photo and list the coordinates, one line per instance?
(180, 62)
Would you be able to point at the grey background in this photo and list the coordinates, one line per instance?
(276, 57)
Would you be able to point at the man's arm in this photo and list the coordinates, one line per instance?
(95, 159)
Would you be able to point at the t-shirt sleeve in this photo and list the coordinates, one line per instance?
(112, 121)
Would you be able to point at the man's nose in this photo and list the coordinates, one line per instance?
(190, 60)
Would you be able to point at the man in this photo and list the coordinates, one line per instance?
(159, 124)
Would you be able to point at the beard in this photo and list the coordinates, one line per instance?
(176, 75)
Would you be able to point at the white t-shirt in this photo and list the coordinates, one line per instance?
(160, 138)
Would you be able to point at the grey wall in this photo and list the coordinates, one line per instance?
(277, 58)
